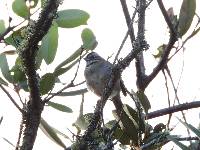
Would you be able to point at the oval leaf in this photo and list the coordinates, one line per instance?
(127, 125)
(47, 83)
(60, 71)
(72, 93)
(2, 81)
(71, 58)
(118, 133)
(181, 145)
(9, 52)
(144, 101)
(50, 133)
(2, 27)
(89, 39)
(192, 128)
(15, 38)
(49, 44)
(71, 18)
(5, 68)
(18, 74)
(186, 15)
(60, 107)
(20, 8)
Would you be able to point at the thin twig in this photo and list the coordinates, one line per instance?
(176, 91)
(11, 98)
(126, 36)
(168, 96)
(71, 84)
(75, 75)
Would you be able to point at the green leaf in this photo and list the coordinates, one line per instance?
(2, 81)
(71, 58)
(20, 8)
(129, 126)
(192, 128)
(118, 134)
(89, 39)
(50, 133)
(160, 51)
(186, 16)
(182, 146)
(134, 116)
(49, 44)
(72, 93)
(47, 83)
(9, 52)
(15, 38)
(83, 121)
(60, 133)
(5, 68)
(71, 18)
(60, 107)
(61, 71)
(18, 74)
(144, 101)
(2, 26)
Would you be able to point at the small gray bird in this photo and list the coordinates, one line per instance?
(97, 74)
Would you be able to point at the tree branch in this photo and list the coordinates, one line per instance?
(27, 52)
(128, 20)
(172, 109)
(139, 63)
(164, 59)
(11, 98)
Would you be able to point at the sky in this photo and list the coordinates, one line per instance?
(108, 24)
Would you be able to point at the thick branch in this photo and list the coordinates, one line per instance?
(139, 63)
(173, 109)
(27, 52)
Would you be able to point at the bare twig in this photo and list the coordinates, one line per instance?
(176, 92)
(125, 37)
(128, 20)
(11, 98)
(71, 84)
(75, 75)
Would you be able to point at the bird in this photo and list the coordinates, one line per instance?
(97, 74)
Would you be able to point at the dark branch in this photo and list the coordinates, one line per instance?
(6, 32)
(27, 52)
(128, 20)
(139, 63)
(11, 98)
(173, 109)
(164, 59)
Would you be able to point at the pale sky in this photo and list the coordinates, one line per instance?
(108, 24)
